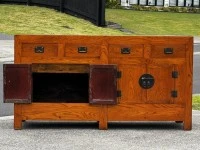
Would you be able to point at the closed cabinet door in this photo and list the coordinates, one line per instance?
(17, 83)
(150, 84)
(131, 91)
(160, 88)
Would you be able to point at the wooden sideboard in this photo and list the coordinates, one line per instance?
(101, 78)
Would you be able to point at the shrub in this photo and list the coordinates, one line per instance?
(174, 9)
(137, 7)
(153, 8)
(194, 10)
(113, 4)
(183, 9)
(166, 9)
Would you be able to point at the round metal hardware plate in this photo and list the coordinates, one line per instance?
(146, 81)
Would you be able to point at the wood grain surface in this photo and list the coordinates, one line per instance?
(147, 56)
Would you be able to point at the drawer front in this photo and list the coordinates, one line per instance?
(81, 50)
(39, 50)
(168, 51)
(126, 51)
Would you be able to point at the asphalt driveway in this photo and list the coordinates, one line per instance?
(86, 136)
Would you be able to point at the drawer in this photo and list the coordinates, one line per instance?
(39, 50)
(126, 51)
(78, 50)
(168, 51)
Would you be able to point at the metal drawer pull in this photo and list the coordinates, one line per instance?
(39, 49)
(168, 50)
(125, 50)
(82, 50)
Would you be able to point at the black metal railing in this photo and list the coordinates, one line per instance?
(92, 10)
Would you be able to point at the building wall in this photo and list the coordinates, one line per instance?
(166, 3)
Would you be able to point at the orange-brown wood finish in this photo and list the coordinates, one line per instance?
(142, 55)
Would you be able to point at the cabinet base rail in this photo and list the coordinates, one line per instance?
(100, 113)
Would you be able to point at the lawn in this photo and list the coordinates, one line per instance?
(156, 23)
(20, 19)
(196, 102)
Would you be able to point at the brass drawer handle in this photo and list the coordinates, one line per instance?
(125, 50)
(168, 50)
(82, 50)
(39, 49)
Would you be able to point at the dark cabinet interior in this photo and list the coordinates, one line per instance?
(60, 87)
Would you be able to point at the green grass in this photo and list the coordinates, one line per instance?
(156, 23)
(196, 102)
(20, 19)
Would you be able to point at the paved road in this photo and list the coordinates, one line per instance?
(196, 69)
(7, 57)
(86, 136)
(7, 47)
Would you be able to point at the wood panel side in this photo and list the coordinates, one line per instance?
(61, 111)
(188, 84)
(17, 49)
(146, 112)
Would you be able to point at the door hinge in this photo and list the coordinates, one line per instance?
(119, 93)
(174, 93)
(119, 74)
(174, 74)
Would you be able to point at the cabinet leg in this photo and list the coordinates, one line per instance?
(103, 122)
(187, 125)
(17, 123)
(17, 117)
(103, 125)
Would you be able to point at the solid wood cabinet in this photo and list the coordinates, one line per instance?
(101, 78)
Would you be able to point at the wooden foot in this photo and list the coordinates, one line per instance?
(187, 126)
(103, 122)
(17, 123)
(17, 117)
(103, 125)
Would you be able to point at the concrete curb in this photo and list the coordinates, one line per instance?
(6, 37)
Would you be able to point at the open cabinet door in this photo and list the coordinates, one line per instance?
(103, 84)
(17, 83)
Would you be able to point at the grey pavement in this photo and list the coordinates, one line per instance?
(86, 136)
(6, 50)
(196, 40)
(6, 37)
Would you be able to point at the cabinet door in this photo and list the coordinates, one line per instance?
(103, 84)
(17, 83)
(128, 83)
(164, 84)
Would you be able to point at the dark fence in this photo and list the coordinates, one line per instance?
(92, 10)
